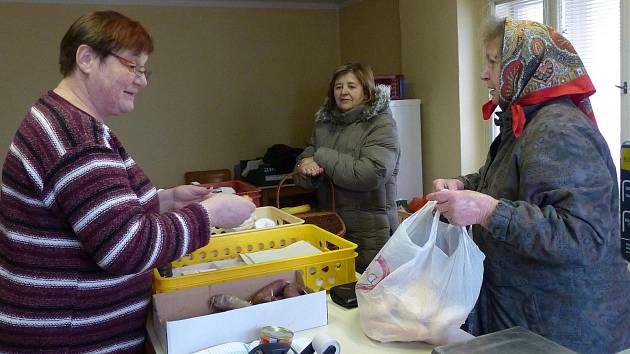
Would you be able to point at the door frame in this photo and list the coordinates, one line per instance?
(625, 69)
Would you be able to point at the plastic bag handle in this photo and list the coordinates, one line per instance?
(434, 225)
(467, 239)
(436, 220)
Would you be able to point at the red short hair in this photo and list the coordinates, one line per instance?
(105, 32)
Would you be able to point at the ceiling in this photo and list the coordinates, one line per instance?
(303, 4)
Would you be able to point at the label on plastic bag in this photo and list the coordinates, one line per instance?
(378, 272)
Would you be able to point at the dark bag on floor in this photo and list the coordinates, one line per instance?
(282, 157)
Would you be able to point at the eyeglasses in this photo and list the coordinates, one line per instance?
(133, 67)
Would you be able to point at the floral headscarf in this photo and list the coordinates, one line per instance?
(538, 64)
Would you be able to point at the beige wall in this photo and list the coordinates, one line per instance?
(441, 60)
(227, 83)
(430, 64)
(475, 136)
(370, 33)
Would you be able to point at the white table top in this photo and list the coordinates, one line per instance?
(343, 325)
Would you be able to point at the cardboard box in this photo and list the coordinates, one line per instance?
(183, 323)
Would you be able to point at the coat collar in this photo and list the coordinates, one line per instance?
(504, 119)
(363, 112)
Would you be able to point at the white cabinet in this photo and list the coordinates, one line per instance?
(407, 116)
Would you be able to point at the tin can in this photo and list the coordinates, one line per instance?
(275, 334)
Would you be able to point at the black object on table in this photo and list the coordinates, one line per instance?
(344, 295)
(272, 348)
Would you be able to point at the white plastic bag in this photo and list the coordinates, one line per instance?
(423, 283)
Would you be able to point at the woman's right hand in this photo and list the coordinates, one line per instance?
(227, 210)
(308, 167)
(451, 184)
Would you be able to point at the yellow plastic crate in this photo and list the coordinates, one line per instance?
(281, 218)
(335, 266)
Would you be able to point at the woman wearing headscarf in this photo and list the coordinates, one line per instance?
(81, 226)
(544, 207)
(355, 145)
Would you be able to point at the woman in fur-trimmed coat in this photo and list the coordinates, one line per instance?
(355, 144)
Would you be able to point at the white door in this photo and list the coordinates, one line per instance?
(406, 113)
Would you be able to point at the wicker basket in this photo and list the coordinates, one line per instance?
(328, 220)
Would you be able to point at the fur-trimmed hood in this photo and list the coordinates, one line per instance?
(371, 108)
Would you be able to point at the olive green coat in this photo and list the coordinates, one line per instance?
(359, 152)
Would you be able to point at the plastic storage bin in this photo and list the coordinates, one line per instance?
(397, 83)
(281, 218)
(241, 188)
(334, 266)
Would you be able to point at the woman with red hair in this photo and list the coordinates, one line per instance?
(81, 226)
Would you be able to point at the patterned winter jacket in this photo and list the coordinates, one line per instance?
(553, 262)
(359, 151)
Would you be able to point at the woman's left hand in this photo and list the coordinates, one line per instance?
(181, 196)
(310, 168)
(464, 207)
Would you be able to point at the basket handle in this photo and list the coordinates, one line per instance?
(332, 189)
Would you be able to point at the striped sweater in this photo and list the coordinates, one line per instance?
(80, 231)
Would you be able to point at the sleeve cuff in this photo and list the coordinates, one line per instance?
(319, 156)
(203, 222)
(500, 220)
(466, 182)
(308, 152)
